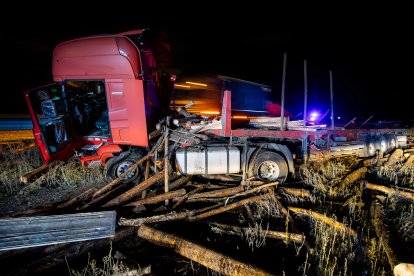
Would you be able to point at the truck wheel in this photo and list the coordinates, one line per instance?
(371, 147)
(270, 166)
(382, 143)
(391, 141)
(117, 165)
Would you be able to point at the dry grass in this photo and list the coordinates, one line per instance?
(14, 164)
(377, 258)
(325, 177)
(110, 266)
(401, 212)
(335, 252)
(397, 174)
(72, 174)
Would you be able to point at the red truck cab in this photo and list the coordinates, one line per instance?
(107, 93)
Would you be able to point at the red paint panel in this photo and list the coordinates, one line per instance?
(126, 111)
(96, 57)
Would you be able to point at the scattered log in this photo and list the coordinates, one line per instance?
(395, 157)
(393, 247)
(350, 179)
(229, 207)
(119, 179)
(180, 182)
(206, 257)
(166, 168)
(285, 212)
(28, 177)
(210, 186)
(404, 269)
(40, 210)
(86, 195)
(255, 189)
(296, 192)
(368, 162)
(327, 220)
(147, 173)
(218, 193)
(181, 200)
(105, 197)
(26, 147)
(157, 198)
(408, 163)
(135, 191)
(237, 230)
(158, 218)
(389, 191)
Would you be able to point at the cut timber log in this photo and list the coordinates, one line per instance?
(218, 193)
(28, 177)
(404, 269)
(296, 192)
(394, 249)
(119, 179)
(159, 218)
(395, 157)
(331, 222)
(351, 178)
(390, 191)
(180, 200)
(77, 199)
(408, 163)
(180, 182)
(207, 257)
(105, 197)
(242, 231)
(135, 191)
(29, 146)
(229, 207)
(157, 198)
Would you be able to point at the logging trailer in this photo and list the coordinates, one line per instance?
(111, 98)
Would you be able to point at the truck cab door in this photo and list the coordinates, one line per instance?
(48, 111)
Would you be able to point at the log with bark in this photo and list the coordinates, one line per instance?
(390, 191)
(393, 246)
(229, 207)
(28, 177)
(327, 220)
(242, 231)
(216, 261)
(136, 190)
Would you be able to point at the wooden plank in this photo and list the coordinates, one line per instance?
(26, 232)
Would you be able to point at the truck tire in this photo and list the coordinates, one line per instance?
(269, 166)
(371, 147)
(382, 144)
(117, 165)
(391, 141)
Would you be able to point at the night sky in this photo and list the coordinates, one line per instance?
(369, 49)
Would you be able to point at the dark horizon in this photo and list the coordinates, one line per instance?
(369, 53)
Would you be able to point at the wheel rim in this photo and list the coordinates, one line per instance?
(269, 170)
(393, 143)
(383, 145)
(371, 149)
(123, 167)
